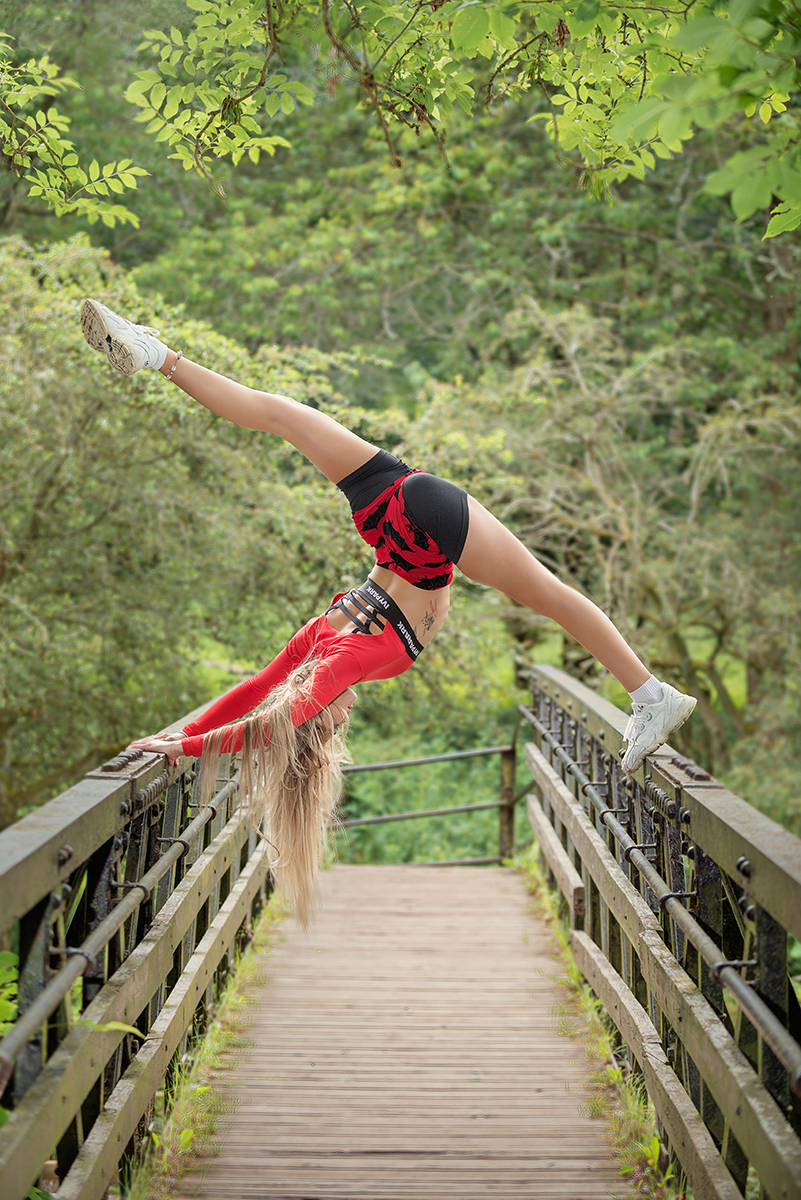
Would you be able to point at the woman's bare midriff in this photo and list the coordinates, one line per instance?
(425, 611)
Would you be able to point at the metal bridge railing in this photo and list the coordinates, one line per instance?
(505, 804)
(680, 897)
(125, 904)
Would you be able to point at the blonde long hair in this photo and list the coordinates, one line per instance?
(290, 781)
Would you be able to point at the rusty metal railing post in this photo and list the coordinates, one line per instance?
(506, 813)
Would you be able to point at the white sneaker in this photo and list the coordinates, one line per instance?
(650, 725)
(129, 347)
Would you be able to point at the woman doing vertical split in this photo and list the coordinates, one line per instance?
(287, 719)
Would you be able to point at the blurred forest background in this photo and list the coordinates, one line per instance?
(618, 382)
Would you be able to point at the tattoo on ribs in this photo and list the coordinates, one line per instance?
(430, 616)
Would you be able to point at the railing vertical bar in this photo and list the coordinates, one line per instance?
(506, 814)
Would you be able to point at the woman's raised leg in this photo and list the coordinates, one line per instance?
(332, 448)
(493, 556)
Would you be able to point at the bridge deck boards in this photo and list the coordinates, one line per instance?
(410, 1049)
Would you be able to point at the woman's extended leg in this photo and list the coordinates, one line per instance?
(493, 556)
(332, 448)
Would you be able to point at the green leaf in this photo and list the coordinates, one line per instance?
(112, 1026)
(94, 169)
(674, 125)
(174, 98)
(784, 219)
(470, 26)
(303, 93)
(587, 11)
(157, 95)
(751, 193)
(135, 93)
(502, 27)
(741, 10)
(638, 121)
(703, 31)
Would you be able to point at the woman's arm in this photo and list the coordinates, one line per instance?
(243, 698)
(236, 703)
(332, 676)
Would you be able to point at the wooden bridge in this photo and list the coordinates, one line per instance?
(411, 1048)
(400, 1051)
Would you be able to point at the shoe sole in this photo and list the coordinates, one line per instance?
(683, 713)
(97, 334)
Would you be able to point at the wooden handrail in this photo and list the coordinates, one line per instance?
(685, 887)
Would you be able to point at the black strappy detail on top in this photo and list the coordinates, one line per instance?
(383, 607)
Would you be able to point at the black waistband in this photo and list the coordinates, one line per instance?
(385, 606)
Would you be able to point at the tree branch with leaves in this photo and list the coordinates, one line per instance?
(624, 84)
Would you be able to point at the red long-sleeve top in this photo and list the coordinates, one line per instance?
(343, 660)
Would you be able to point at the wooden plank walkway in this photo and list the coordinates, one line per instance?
(409, 1049)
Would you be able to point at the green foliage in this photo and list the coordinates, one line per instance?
(222, 86)
(632, 83)
(614, 382)
(604, 457)
(34, 142)
(609, 460)
(9, 975)
(182, 522)
(621, 88)
(422, 267)
(111, 1027)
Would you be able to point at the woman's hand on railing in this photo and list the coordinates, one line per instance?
(161, 743)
